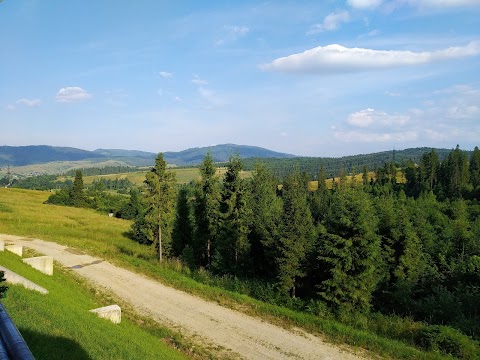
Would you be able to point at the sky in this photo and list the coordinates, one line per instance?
(311, 78)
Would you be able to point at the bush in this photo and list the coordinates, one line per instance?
(447, 340)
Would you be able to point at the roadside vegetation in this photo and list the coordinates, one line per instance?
(59, 325)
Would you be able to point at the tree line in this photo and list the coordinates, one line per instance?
(334, 166)
(409, 248)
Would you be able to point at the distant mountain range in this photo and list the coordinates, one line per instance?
(38, 154)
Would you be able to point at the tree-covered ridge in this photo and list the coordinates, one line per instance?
(220, 153)
(334, 166)
(26, 155)
(362, 247)
(105, 170)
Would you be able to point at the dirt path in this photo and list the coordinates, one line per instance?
(249, 337)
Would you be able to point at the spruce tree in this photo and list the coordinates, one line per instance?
(207, 196)
(266, 209)
(160, 197)
(297, 233)
(76, 194)
(231, 255)
(349, 252)
(183, 226)
(320, 198)
(474, 168)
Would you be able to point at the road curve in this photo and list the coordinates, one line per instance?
(240, 334)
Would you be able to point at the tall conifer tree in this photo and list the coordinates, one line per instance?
(297, 233)
(160, 196)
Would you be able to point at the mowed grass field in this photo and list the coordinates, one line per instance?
(59, 326)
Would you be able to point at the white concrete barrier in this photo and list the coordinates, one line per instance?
(14, 278)
(112, 313)
(16, 249)
(41, 263)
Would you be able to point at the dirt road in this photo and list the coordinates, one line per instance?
(242, 335)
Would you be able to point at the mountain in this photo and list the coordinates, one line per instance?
(112, 153)
(221, 153)
(30, 155)
(35, 154)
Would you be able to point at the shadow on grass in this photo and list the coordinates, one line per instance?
(46, 347)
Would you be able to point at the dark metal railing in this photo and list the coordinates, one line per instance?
(14, 344)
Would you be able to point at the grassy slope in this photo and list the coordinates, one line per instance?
(183, 175)
(22, 212)
(59, 326)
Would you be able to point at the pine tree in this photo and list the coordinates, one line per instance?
(160, 197)
(207, 197)
(429, 167)
(183, 226)
(76, 194)
(233, 247)
(454, 173)
(349, 252)
(402, 253)
(266, 209)
(365, 176)
(475, 168)
(320, 198)
(297, 233)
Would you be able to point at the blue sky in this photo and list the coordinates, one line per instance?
(316, 78)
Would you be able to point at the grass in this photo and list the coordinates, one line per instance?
(183, 175)
(59, 326)
(105, 237)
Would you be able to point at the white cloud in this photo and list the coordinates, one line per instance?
(364, 4)
(369, 137)
(331, 22)
(443, 3)
(337, 58)
(238, 30)
(72, 94)
(210, 97)
(232, 33)
(165, 74)
(29, 102)
(449, 116)
(10, 107)
(373, 118)
(198, 81)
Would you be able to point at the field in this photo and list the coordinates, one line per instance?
(22, 212)
(183, 176)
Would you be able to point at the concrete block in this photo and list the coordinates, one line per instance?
(112, 313)
(2, 246)
(41, 263)
(14, 278)
(16, 249)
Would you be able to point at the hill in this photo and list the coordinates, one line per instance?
(221, 153)
(16, 156)
(35, 154)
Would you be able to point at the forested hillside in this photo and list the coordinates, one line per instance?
(335, 166)
(25, 155)
(377, 248)
(368, 248)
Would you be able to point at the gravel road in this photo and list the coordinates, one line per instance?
(241, 335)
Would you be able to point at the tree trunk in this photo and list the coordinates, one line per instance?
(208, 251)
